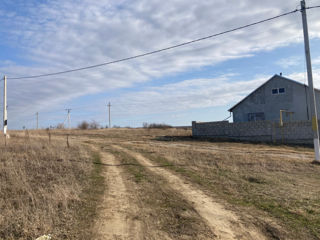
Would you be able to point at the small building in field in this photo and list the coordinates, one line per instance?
(277, 96)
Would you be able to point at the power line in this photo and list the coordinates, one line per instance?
(312, 7)
(161, 50)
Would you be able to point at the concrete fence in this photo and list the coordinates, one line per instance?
(260, 131)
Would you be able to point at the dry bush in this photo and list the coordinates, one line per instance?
(60, 126)
(83, 125)
(156, 125)
(40, 185)
(94, 125)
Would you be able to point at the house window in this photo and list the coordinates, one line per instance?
(252, 117)
(278, 90)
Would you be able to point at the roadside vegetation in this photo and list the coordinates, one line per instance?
(156, 125)
(47, 188)
(89, 125)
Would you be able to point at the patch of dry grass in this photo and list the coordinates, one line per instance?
(275, 182)
(115, 134)
(40, 188)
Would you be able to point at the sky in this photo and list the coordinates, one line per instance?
(197, 82)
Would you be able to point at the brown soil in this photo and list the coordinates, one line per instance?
(117, 214)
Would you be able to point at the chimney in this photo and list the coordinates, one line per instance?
(281, 74)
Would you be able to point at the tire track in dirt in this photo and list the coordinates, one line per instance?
(224, 223)
(117, 214)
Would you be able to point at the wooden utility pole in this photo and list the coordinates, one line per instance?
(69, 120)
(109, 111)
(5, 117)
(313, 105)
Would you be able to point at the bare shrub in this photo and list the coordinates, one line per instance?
(83, 125)
(60, 126)
(94, 125)
(86, 125)
(156, 125)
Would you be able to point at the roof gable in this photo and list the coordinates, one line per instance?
(274, 76)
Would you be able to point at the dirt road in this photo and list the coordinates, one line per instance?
(117, 212)
(224, 223)
(120, 217)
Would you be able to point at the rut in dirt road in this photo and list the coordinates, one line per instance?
(224, 223)
(117, 214)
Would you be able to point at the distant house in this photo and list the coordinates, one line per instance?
(275, 95)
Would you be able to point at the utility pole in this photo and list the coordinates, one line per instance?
(109, 106)
(5, 117)
(310, 83)
(37, 120)
(69, 110)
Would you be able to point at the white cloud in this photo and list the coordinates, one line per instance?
(188, 94)
(60, 35)
(290, 62)
(303, 78)
(316, 61)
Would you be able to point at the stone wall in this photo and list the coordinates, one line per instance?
(260, 131)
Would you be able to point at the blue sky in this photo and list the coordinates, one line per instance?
(196, 82)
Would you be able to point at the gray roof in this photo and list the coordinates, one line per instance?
(276, 75)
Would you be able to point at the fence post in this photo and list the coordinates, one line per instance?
(68, 141)
(27, 136)
(49, 135)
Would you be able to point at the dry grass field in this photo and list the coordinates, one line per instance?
(47, 189)
(155, 184)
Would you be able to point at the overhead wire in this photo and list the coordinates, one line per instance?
(160, 50)
(312, 7)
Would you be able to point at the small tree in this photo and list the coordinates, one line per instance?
(94, 125)
(60, 126)
(83, 125)
(156, 125)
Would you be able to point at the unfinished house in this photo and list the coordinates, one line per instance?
(277, 111)
(279, 97)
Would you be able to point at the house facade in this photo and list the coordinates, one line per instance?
(278, 95)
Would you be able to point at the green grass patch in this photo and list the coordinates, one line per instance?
(90, 198)
(132, 165)
(138, 175)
